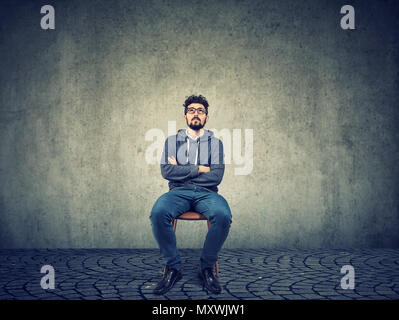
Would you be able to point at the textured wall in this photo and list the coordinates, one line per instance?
(77, 102)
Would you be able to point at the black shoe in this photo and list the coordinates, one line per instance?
(170, 277)
(209, 280)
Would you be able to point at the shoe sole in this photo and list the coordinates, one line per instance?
(173, 283)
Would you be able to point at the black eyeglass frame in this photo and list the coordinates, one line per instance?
(204, 110)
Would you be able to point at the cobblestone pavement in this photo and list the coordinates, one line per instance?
(244, 274)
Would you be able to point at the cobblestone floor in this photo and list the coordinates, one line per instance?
(244, 274)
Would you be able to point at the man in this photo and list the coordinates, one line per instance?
(193, 163)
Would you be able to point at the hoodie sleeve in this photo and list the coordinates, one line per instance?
(215, 175)
(175, 172)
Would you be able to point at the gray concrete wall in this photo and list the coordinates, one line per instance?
(77, 102)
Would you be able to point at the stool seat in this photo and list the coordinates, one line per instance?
(191, 215)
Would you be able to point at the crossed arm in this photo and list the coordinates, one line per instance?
(201, 175)
(201, 169)
(206, 176)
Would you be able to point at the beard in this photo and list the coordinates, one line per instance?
(198, 126)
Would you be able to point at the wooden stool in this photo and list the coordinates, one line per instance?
(192, 215)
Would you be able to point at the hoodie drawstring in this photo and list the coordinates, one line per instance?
(188, 150)
(188, 147)
(196, 153)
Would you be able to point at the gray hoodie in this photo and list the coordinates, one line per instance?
(207, 150)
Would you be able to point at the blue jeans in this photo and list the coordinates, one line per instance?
(179, 200)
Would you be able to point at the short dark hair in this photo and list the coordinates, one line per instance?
(196, 99)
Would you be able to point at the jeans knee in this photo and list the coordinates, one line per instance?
(223, 218)
(159, 214)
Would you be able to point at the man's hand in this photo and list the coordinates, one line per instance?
(172, 160)
(202, 169)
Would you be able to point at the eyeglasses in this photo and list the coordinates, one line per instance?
(199, 110)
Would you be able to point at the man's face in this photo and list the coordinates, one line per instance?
(196, 118)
